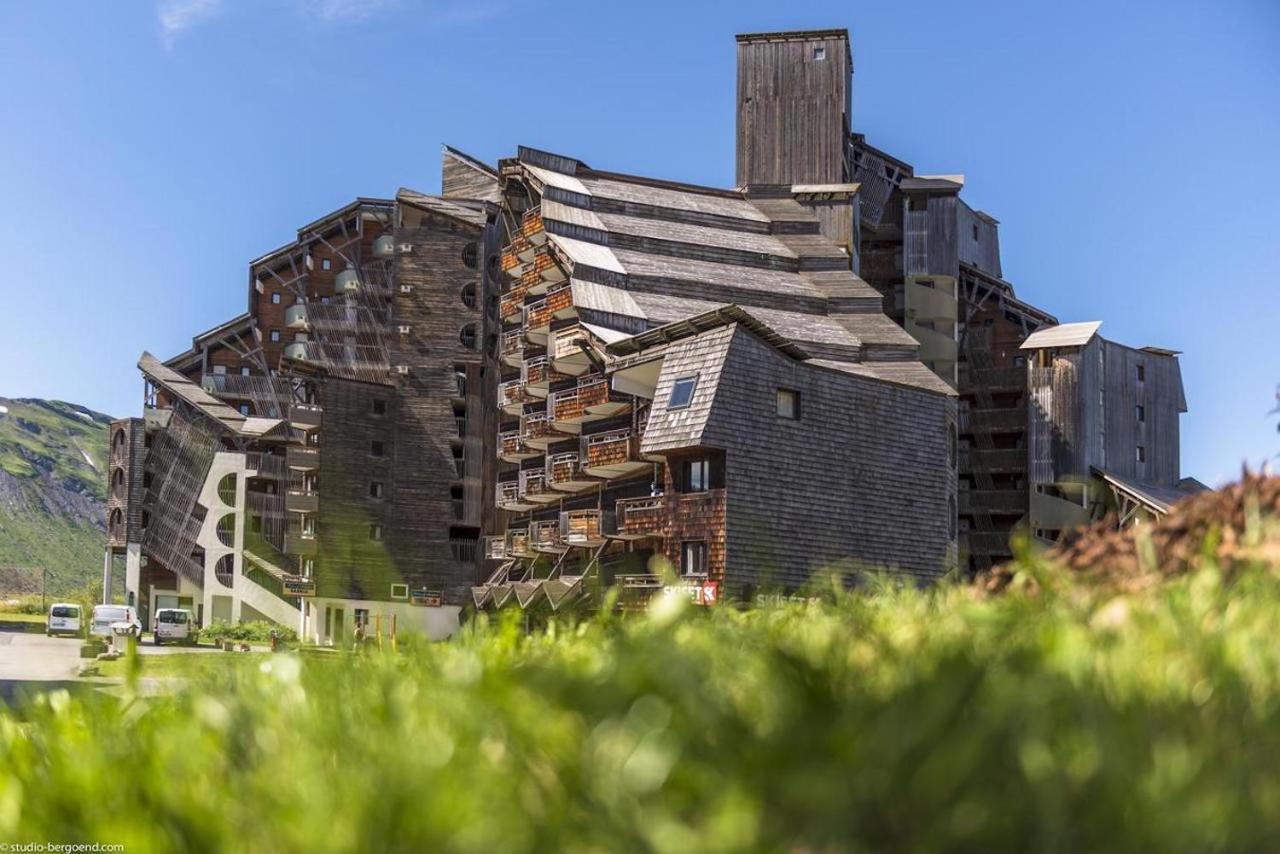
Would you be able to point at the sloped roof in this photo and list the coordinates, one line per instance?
(1155, 498)
(1062, 335)
(469, 214)
(191, 393)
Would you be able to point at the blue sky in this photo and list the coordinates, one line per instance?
(1131, 152)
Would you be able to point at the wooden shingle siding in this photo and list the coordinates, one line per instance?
(861, 480)
(701, 357)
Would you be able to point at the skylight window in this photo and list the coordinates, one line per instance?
(682, 392)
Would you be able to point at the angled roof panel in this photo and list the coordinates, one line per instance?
(176, 384)
(1062, 335)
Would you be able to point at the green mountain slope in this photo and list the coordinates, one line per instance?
(53, 459)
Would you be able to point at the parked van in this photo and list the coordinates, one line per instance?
(105, 615)
(64, 619)
(174, 624)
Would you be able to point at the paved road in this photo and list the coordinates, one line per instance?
(30, 661)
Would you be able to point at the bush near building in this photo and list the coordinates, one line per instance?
(1058, 715)
(252, 631)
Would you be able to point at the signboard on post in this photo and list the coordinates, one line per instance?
(298, 585)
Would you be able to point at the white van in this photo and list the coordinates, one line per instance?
(64, 619)
(105, 615)
(174, 624)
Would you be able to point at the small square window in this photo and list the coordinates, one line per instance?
(324, 300)
(376, 449)
(682, 392)
(275, 336)
(244, 372)
(1141, 412)
(1142, 454)
(326, 264)
(275, 299)
(819, 53)
(399, 591)
(379, 407)
(375, 489)
(375, 532)
(244, 410)
(789, 404)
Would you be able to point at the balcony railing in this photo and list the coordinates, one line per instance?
(643, 517)
(512, 395)
(510, 261)
(533, 484)
(300, 501)
(575, 404)
(511, 348)
(305, 416)
(537, 430)
(545, 535)
(565, 469)
(495, 548)
(1004, 460)
(992, 420)
(993, 500)
(581, 527)
(994, 379)
(507, 493)
(517, 543)
(302, 458)
(537, 371)
(523, 247)
(512, 448)
(511, 306)
(532, 227)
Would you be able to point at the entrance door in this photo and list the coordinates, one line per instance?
(335, 627)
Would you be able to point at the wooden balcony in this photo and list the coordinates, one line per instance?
(511, 307)
(993, 420)
(511, 350)
(581, 528)
(298, 542)
(532, 227)
(993, 460)
(495, 548)
(512, 448)
(643, 517)
(518, 544)
(613, 454)
(538, 375)
(512, 397)
(304, 416)
(1001, 501)
(591, 400)
(538, 431)
(566, 348)
(510, 260)
(534, 488)
(523, 247)
(544, 536)
(507, 497)
(564, 473)
(547, 270)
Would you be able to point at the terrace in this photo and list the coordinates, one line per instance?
(538, 375)
(568, 348)
(538, 431)
(613, 454)
(534, 488)
(582, 528)
(507, 497)
(566, 473)
(545, 536)
(591, 400)
(512, 447)
(512, 396)
(642, 517)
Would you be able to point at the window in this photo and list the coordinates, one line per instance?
(697, 476)
(375, 532)
(375, 489)
(789, 404)
(362, 617)
(378, 407)
(219, 370)
(275, 336)
(275, 299)
(1141, 412)
(819, 54)
(468, 336)
(975, 231)
(1142, 454)
(693, 557)
(244, 410)
(469, 296)
(376, 448)
(682, 392)
(399, 591)
(471, 255)
(324, 300)
(326, 264)
(244, 372)
(1142, 373)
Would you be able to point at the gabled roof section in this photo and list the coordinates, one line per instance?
(701, 323)
(937, 183)
(1062, 335)
(240, 326)
(1157, 499)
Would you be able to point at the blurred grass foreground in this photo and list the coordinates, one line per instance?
(1057, 713)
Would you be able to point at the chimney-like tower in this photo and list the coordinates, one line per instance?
(794, 102)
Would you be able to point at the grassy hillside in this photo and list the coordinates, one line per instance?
(1061, 714)
(53, 458)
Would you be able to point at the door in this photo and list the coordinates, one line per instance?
(338, 617)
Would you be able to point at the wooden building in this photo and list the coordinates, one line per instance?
(326, 458)
(698, 375)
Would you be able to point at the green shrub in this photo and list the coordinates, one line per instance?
(1069, 720)
(24, 605)
(253, 631)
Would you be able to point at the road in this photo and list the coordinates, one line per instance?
(33, 661)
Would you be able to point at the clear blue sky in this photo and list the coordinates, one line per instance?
(1131, 152)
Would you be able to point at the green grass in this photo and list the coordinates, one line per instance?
(17, 622)
(190, 665)
(1073, 719)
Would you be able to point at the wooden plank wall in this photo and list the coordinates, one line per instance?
(793, 111)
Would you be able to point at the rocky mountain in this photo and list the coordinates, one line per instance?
(53, 463)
